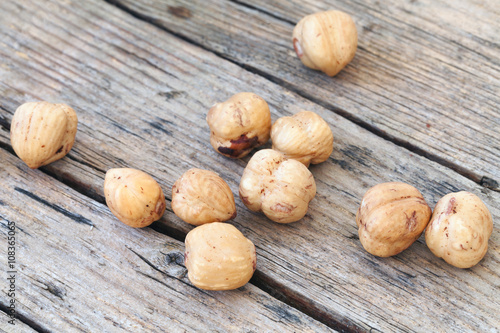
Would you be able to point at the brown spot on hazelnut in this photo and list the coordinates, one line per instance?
(245, 200)
(160, 206)
(59, 150)
(411, 221)
(282, 207)
(452, 206)
(233, 216)
(297, 47)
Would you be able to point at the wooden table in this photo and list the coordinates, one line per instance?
(420, 103)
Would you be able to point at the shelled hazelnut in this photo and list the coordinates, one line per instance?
(219, 257)
(392, 216)
(305, 137)
(133, 196)
(201, 196)
(459, 229)
(239, 124)
(326, 41)
(43, 132)
(279, 187)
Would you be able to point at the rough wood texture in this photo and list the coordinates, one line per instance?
(18, 327)
(142, 95)
(82, 270)
(426, 74)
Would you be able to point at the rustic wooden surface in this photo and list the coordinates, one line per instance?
(20, 327)
(82, 270)
(426, 74)
(141, 94)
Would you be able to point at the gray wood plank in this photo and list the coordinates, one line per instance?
(17, 327)
(142, 96)
(426, 74)
(80, 269)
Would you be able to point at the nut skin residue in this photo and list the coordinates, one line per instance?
(452, 207)
(238, 146)
(411, 221)
(298, 49)
(282, 208)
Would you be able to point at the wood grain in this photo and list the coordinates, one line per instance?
(18, 327)
(79, 269)
(426, 74)
(142, 95)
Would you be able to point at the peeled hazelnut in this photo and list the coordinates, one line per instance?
(305, 137)
(459, 229)
(201, 196)
(279, 187)
(134, 197)
(326, 41)
(391, 217)
(239, 124)
(42, 132)
(219, 257)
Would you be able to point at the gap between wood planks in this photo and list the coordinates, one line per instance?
(484, 181)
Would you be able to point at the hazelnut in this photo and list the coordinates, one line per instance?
(134, 197)
(305, 137)
(391, 217)
(459, 229)
(201, 196)
(42, 132)
(239, 124)
(219, 257)
(326, 41)
(279, 187)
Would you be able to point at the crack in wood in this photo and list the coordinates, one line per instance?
(5, 225)
(156, 268)
(73, 216)
(265, 12)
(303, 304)
(25, 320)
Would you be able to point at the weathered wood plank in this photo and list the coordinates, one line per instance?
(142, 95)
(17, 327)
(79, 269)
(426, 74)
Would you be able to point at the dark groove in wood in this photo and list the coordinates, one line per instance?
(25, 320)
(73, 216)
(304, 305)
(260, 10)
(343, 113)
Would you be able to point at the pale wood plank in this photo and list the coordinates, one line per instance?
(426, 74)
(142, 96)
(79, 269)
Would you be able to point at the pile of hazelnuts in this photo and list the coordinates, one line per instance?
(275, 181)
